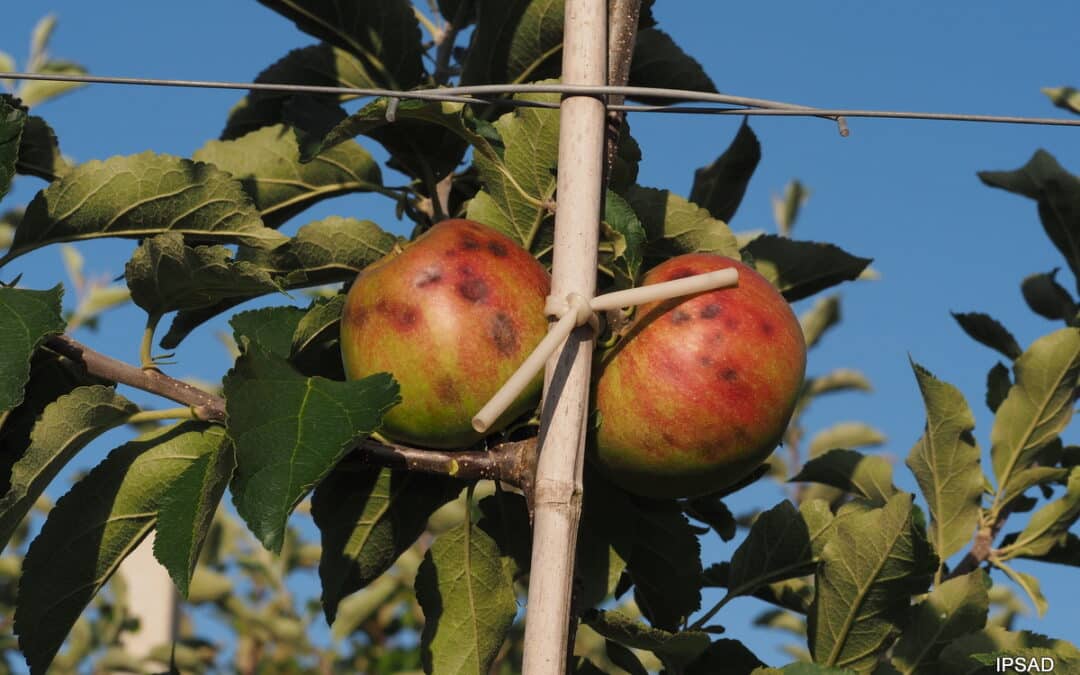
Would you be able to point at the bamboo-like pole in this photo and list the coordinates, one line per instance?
(558, 488)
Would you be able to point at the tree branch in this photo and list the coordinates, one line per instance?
(623, 16)
(513, 462)
(982, 546)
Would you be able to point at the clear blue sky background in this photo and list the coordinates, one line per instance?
(902, 192)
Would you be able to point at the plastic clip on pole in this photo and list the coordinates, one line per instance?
(576, 311)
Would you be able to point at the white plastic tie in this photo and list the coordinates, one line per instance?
(573, 311)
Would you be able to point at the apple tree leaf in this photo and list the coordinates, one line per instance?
(289, 432)
(1048, 527)
(665, 564)
(957, 656)
(849, 435)
(816, 321)
(267, 163)
(777, 547)
(515, 41)
(674, 226)
(12, 122)
(139, 196)
(800, 269)
(113, 508)
(945, 461)
(271, 328)
(868, 476)
(467, 596)
(1039, 405)
(26, 318)
(1047, 298)
(872, 563)
(956, 607)
(987, 330)
(367, 519)
(675, 649)
(659, 62)
(66, 426)
(720, 186)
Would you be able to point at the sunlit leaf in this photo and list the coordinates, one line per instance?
(956, 607)
(868, 476)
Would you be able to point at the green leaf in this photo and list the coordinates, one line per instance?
(800, 269)
(267, 163)
(1028, 583)
(674, 226)
(186, 511)
(112, 509)
(868, 476)
(140, 196)
(271, 328)
(368, 518)
(987, 330)
(720, 186)
(327, 251)
(165, 274)
(956, 658)
(872, 563)
(1066, 98)
(26, 319)
(714, 513)
(520, 181)
(956, 607)
(1029, 478)
(725, 656)
(36, 92)
(1066, 552)
(506, 520)
(1039, 405)
(383, 34)
(945, 461)
(65, 427)
(1046, 297)
(778, 547)
(825, 314)
(998, 383)
(849, 435)
(665, 564)
(659, 62)
(621, 657)
(1036, 659)
(289, 431)
(803, 668)
(12, 122)
(786, 207)
(675, 649)
(515, 41)
(1049, 526)
(320, 65)
(320, 323)
(606, 538)
(467, 596)
(1057, 193)
(833, 382)
(622, 227)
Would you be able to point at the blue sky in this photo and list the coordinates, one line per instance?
(902, 192)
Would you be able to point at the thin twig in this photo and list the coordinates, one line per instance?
(982, 546)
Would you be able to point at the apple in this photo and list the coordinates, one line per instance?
(699, 390)
(451, 316)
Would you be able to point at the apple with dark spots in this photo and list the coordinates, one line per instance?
(700, 389)
(451, 316)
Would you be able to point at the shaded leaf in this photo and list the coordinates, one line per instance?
(113, 508)
(714, 513)
(383, 34)
(139, 196)
(65, 427)
(368, 518)
(676, 650)
(1039, 405)
(659, 62)
(800, 269)
(868, 476)
(725, 656)
(186, 511)
(467, 596)
(872, 563)
(165, 274)
(623, 658)
(846, 435)
(987, 330)
(720, 186)
(956, 658)
(606, 538)
(39, 151)
(1049, 526)
(26, 319)
(665, 564)
(998, 383)
(674, 226)
(289, 431)
(956, 607)
(506, 520)
(1046, 297)
(777, 547)
(945, 462)
(271, 328)
(320, 322)
(515, 41)
(12, 122)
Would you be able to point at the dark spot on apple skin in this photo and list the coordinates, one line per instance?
(717, 337)
(503, 334)
(731, 323)
(711, 311)
(729, 374)
(431, 275)
(355, 315)
(680, 273)
(705, 360)
(680, 316)
(446, 390)
(469, 243)
(767, 328)
(497, 249)
(668, 438)
(401, 315)
(472, 289)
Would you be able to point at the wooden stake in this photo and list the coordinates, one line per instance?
(558, 487)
